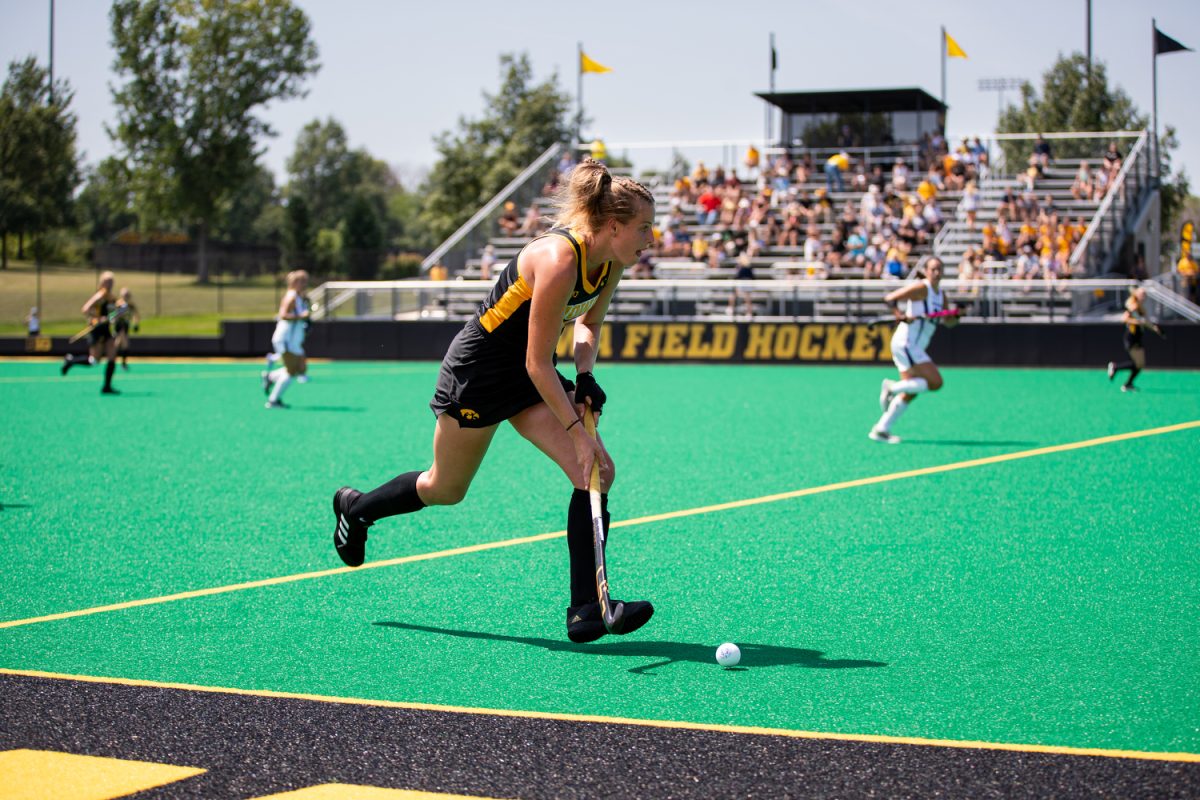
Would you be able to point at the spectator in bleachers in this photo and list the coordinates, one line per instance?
(487, 262)
(822, 205)
(644, 268)
(1004, 235)
(1042, 154)
(762, 217)
(683, 193)
(1028, 265)
(741, 217)
(874, 256)
(969, 205)
(928, 188)
(971, 266)
(718, 176)
(1081, 187)
(896, 264)
(708, 205)
(814, 248)
(1189, 277)
(699, 174)
(803, 169)
(900, 175)
(1008, 203)
(532, 224)
(781, 175)
(856, 250)
(877, 178)
(566, 163)
(1032, 173)
(509, 222)
(834, 167)
(751, 160)
(793, 222)
(979, 157)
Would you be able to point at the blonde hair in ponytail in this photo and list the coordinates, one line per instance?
(592, 196)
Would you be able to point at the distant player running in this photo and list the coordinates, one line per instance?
(126, 317)
(288, 339)
(1134, 320)
(99, 310)
(923, 300)
(501, 366)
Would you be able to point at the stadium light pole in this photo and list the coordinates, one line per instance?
(1000, 85)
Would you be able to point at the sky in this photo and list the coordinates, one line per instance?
(397, 73)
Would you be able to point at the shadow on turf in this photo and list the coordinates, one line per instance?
(664, 653)
(348, 409)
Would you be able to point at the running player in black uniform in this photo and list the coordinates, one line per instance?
(125, 318)
(1135, 319)
(501, 366)
(101, 343)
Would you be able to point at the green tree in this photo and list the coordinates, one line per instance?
(195, 72)
(241, 212)
(1072, 99)
(39, 168)
(105, 205)
(299, 237)
(362, 238)
(324, 171)
(519, 123)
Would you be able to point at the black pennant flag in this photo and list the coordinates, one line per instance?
(1165, 44)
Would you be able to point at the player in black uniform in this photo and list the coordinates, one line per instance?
(1135, 319)
(125, 317)
(101, 343)
(501, 366)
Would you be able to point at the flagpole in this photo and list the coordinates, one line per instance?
(943, 45)
(578, 94)
(1154, 94)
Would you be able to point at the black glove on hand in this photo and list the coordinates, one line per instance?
(587, 388)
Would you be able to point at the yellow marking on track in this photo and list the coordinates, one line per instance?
(1146, 755)
(541, 537)
(40, 774)
(345, 791)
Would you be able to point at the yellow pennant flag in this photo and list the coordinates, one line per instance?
(952, 48)
(587, 65)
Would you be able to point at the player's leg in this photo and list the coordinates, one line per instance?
(110, 353)
(281, 379)
(457, 454)
(1137, 362)
(584, 622)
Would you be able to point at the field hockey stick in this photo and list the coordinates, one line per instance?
(115, 315)
(614, 618)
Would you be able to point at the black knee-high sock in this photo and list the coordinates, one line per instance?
(1133, 373)
(579, 545)
(109, 369)
(397, 496)
(1120, 365)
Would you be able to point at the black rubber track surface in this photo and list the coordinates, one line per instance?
(258, 745)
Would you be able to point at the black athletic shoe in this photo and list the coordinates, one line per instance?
(349, 533)
(67, 364)
(584, 623)
(275, 404)
(109, 390)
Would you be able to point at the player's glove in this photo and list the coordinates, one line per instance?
(586, 388)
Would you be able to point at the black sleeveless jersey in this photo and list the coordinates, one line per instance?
(504, 315)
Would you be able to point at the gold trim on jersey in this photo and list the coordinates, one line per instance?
(581, 252)
(510, 301)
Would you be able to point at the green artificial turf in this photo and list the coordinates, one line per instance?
(1050, 599)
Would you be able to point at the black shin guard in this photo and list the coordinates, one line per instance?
(109, 369)
(397, 496)
(579, 544)
(1133, 373)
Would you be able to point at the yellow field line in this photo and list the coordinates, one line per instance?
(648, 723)
(477, 548)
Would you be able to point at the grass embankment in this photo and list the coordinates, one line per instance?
(169, 305)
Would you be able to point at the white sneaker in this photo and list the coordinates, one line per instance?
(885, 394)
(1112, 370)
(883, 436)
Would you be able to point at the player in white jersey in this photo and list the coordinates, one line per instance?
(288, 339)
(922, 301)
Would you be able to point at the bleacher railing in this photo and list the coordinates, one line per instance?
(472, 235)
(779, 299)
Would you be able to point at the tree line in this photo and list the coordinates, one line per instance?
(192, 79)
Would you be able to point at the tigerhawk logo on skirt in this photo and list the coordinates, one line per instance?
(467, 413)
